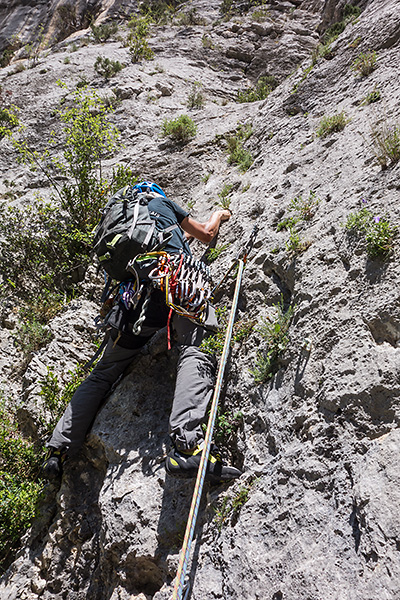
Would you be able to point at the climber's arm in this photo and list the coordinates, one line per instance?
(205, 232)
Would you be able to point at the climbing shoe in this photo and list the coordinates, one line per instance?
(53, 465)
(185, 464)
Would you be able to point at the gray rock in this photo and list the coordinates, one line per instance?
(316, 512)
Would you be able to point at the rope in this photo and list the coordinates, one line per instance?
(198, 488)
(136, 329)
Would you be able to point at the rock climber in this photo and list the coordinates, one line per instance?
(195, 370)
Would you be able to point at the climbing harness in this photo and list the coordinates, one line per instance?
(181, 586)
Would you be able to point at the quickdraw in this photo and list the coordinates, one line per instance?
(186, 282)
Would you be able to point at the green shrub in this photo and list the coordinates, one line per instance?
(8, 120)
(321, 51)
(224, 200)
(6, 57)
(207, 42)
(160, 12)
(304, 208)
(332, 124)
(106, 67)
(196, 96)
(190, 18)
(34, 48)
(386, 144)
(20, 489)
(237, 154)
(230, 507)
(226, 6)
(20, 461)
(260, 15)
(371, 97)
(104, 31)
(226, 426)
(275, 334)
(242, 329)
(139, 48)
(295, 245)
(32, 335)
(46, 246)
(264, 86)
(182, 129)
(55, 397)
(365, 63)
(377, 231)
(18, 507)
(214, 253)
(214, 344)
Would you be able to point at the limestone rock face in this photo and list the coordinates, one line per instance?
(316, 512)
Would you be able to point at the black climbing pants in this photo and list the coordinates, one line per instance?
(193, 390)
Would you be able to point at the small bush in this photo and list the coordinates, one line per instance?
(8, 120)
(332, 124)
(260, 15)
(321, 51)
(386, 144)
(226, 426)
(365, 63)
(20, 489)
(237, 154)
(229, 509)
(182, 129)
(190, 18)
(207, 42)
(196, 96)
(371, 97)
(214, 253)
(242, 330)
(230, 7)
(34, 48)
(20, 461)
(160, 12)
(56, 398)
(46, 246)
(304, 76)
(304, 208)
(104, 31)
(377, 232)
(18, 507)
(6, 57)
(31, 336)
(295, 245)
(106, 67)
(139, 48)
(214, 344)
(264, 86)
(275, 333)
(223, 195)
(226, 6)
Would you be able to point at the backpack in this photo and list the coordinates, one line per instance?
(126, 230)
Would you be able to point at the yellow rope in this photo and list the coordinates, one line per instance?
(198, 488)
